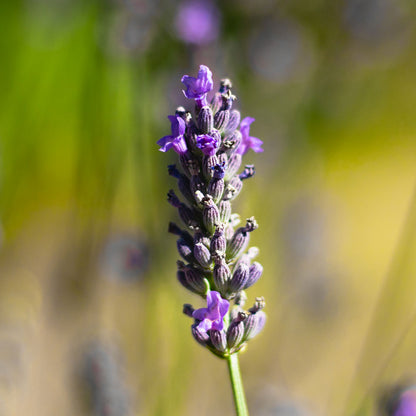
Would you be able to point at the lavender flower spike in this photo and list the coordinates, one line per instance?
(248, 142)
(176, 140)
(198, 87)
(212, 316)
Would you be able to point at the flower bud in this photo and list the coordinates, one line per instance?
(188, 310)
(184, 249)
(221, 119)
(202, 255)
(240, 239)
(248, 172)
(240, 278)
(234, 163)
(174, 229)
(199, 237)
(210, 214)
(256, 270)
(236, 330)
(231, 143)
(208, 162)
(254, 324)
(218, 241)
(218, 339)
(200, 336)
(221, 275)
(225, 211)
(205, 120)
(233, 122)
(233, 188)
(193, 278)
(216, 189)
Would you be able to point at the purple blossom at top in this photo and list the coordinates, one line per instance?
(176, 140)
(407, 404)
(208, 144)
(248, 142)
(198, 87)
(212, 316)
(197, 22)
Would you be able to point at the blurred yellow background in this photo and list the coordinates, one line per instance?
(91, 316)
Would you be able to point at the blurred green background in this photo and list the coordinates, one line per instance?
(90, 309)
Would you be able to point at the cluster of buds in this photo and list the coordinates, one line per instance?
(217, 261)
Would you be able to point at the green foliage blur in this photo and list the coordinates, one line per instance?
(85, 257)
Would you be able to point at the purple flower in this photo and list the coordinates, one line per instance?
(208, 144)
(197, 22)
(176, 140)
(247, 141)
(407, 404)
(212, 316)
(198, 87)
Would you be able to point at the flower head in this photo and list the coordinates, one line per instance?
(248, 142)
(198, 87)
(212, 316)
(176, 140)
(208, 144)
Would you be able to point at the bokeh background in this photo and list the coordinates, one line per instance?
(90, 309)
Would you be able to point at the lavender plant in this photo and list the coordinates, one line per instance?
(217, 263)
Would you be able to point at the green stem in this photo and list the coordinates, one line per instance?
(237, 385)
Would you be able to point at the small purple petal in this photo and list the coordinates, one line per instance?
(176, 140)
(198, 87)
(212, 316)
(200, 314)
(248, 142)
(208, 144)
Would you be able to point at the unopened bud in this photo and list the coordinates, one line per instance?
(202, 255)
(240, 278)
(205, 120)
(218, 340)
(256, 270)
(210, 214)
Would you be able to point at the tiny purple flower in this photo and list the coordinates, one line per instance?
(176, 140)
(212, 316)
(407, 404)
(198, 87)
(247, 141)
(208, 144)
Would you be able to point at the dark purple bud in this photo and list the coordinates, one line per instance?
(173, 199)
(248, 172)
(174, 229)
(233, 188)
(235, 332)
(234, 163)
(184, 249)
(180, 274)
(218, 340)
(183, 183)
(240, 239)
(218, 241)
(254, 324)
(240, 278)
(221, 275)
(208, 163)
(216, 188)
(221, 119)
(201, 337)
(199, 237)
(256, 270)
(216, 102)
(223, 160)
(205, 120)
(233, 122)
(173, 171)
(202, 255)
(225, 211)
(188, 309)
(193, 277)
(210, 214)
